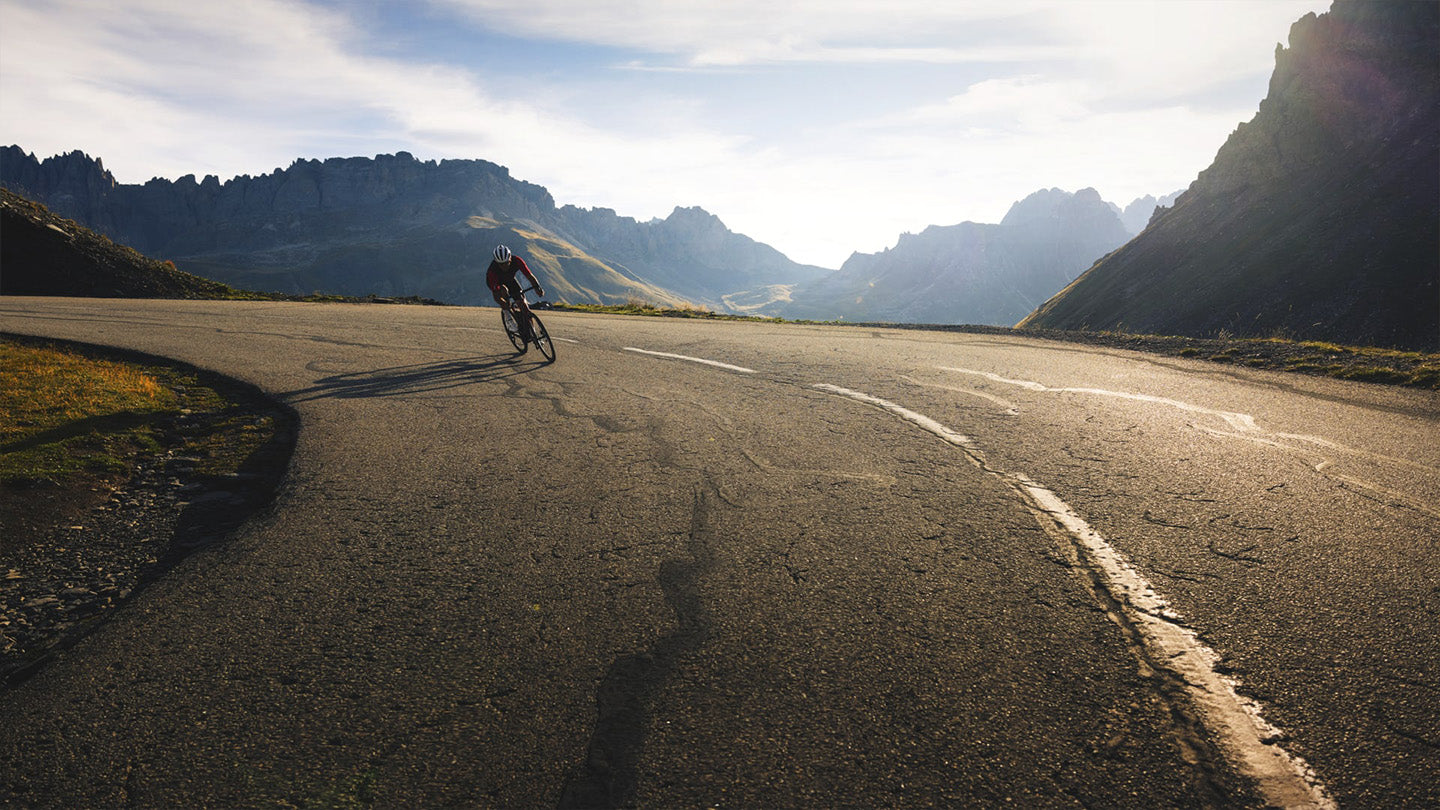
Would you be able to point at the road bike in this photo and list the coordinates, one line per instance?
(521, 338)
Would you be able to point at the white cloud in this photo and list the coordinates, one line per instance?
(1146, 45)
(242, 88)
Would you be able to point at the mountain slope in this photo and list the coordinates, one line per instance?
(970, 273)
(44, 254)
(1319, 219)
(394, 225)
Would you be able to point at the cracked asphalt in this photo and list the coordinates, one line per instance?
(626, 580)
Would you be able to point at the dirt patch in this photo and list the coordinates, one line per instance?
(28, 511)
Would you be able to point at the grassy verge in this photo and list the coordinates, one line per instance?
(1360, 363)
(76, 422)
(63, 415)
(233, 294)
(1368, 364)
(113, 467)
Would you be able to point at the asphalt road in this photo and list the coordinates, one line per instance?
(852, 567)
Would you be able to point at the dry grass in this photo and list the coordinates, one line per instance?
(63, 414)
(43, 387)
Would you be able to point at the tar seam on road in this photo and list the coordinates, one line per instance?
(1249, 742)
(715, 363)
(609, 776)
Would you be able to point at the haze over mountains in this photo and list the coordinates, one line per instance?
(1137, 214)
(1319, 219)
(971, 273)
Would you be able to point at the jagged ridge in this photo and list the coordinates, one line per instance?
(395, 225)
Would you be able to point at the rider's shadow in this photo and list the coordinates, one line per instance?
(413, 379)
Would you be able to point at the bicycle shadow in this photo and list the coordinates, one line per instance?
(415, 379)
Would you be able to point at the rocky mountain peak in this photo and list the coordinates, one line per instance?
(1138, 214)
(694, 218)
(1318, 218)
(1056, 204)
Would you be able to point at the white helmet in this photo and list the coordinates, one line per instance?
(502, 254)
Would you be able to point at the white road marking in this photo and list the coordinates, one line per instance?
(1239, 421)
(1325, 466)
(1246, 428)
(1250, 743)
(715, 363)
(1011, 409)
(925, 422)
(565, 340)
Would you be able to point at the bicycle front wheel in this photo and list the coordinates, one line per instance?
(512, 329)
(542, 337)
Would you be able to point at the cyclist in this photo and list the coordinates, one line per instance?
(500, 278)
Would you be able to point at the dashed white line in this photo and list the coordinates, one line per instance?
(1235, 722)
(716, 363)
(1011, 409)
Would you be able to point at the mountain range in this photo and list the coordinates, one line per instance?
(992, 274)
(1319, 219)
(397, 226)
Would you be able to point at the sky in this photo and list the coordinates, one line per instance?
(820, 127)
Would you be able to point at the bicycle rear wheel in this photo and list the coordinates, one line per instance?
(542, 337)
(512, 330)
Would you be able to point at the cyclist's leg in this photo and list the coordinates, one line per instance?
(501, 295)
(520, 307)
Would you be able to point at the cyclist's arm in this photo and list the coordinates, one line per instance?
(534, 282)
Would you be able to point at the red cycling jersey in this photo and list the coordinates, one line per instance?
(503, 275)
